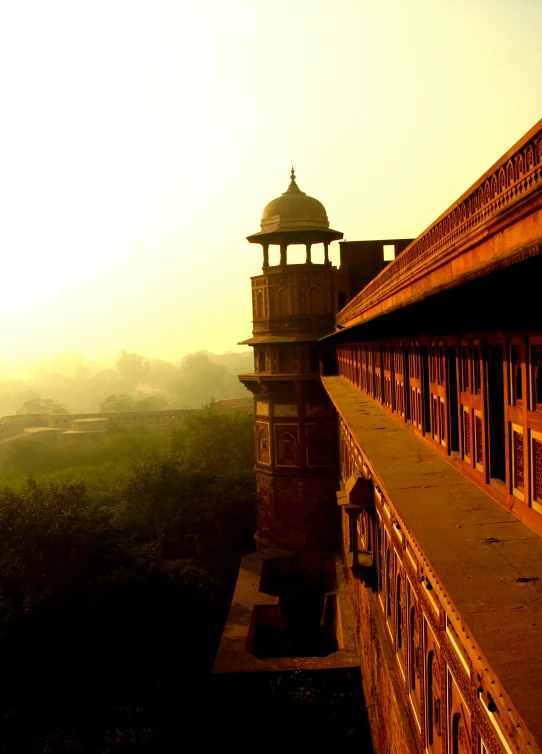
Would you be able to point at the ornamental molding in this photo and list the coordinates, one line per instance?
(516, 176)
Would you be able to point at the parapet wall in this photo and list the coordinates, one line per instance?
(125, 418)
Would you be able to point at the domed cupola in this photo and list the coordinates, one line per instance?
(294, 210)
(294, 218)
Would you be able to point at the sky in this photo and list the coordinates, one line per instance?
(141, 139)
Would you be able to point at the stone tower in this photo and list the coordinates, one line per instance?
(293, 306)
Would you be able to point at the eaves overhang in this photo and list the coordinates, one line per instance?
(298, 338)
(498, 215)
(342, 333)
(296, 236)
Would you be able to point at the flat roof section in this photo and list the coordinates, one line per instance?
(477, 549)
(233, 656)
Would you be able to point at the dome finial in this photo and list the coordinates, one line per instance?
(293, 188)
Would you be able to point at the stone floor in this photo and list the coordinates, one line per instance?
(488, 562)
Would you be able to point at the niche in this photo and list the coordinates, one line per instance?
(287, 449)
(264, 455)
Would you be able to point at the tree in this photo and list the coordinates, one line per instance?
(200, 380)
(52, 537)
(38, 408)
(132, 367)
(42, 406)
(153, 491)
(121, 402)
(151, 403)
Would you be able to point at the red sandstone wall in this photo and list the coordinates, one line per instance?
(297, 513)
(391, 732)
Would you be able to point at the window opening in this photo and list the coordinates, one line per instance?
(388, 584)
(477, 369)
(399, 616)
(453, 402)
(536, 361)
(497, 426)
(426, 389)
(516, 376)
(260, 310)
(465, 373)
(389, 252)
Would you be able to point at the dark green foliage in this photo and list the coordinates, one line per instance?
(47, 457)
(200, 489)
(110, 614)
(116, 572)
(52, 539)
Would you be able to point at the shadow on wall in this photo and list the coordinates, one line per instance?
(306, 622)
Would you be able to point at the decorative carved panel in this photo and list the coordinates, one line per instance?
(519, 471)
(537, 470)
(479, 439)
(467, 440)
(262, 442)
(286, 444)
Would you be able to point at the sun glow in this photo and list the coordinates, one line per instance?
(141, 141)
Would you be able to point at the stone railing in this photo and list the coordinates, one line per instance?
(514, 176)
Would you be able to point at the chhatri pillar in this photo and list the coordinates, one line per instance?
(295, 424)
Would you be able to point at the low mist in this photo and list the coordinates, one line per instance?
(76, 384)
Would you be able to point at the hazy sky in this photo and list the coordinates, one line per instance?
(141, 139)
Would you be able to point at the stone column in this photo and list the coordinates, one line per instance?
(326, 251)
(283, 258)
(353, 512)
(308, 259)
(265, 256)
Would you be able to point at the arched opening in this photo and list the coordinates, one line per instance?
(379, 547)
(413, 649)
(430, 699)
(455, 733)
(389, 583)
(399, 615)
(283, 303)
(518, 382)
(263, 446)
(287, 449)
